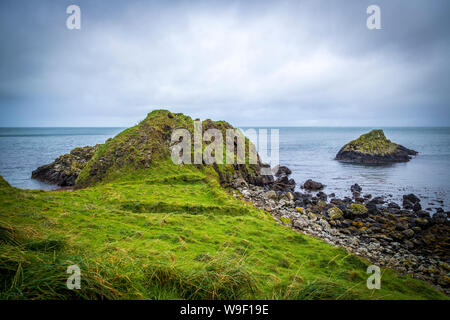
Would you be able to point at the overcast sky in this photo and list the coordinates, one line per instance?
(267, 63)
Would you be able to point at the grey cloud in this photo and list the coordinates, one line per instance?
(248, 62)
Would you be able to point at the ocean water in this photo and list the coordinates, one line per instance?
(22, 150)
(309, 152)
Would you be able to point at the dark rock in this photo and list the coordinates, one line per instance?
(284, 184)
(378, 200)
(408, 233)
(312, 185)
(417, 207)
(411, 197)
(374, 148)
(322, 196)
(355, 188)
(408, 204)
(393, 205)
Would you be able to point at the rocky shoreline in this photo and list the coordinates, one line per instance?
(402, 237)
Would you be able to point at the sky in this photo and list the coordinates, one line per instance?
(251, 63)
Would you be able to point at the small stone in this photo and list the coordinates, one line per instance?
(272, 195)
(300, 209)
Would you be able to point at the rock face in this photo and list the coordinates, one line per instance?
(66, 168)
(374, 148)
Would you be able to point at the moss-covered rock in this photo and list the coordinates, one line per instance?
(374, 148)
(150, 141)
(335, 213)
(356, 210)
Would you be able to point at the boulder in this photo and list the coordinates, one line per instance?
(355, 188)
(374, 148)
(282, 170)
(335, 213)
(356, 210)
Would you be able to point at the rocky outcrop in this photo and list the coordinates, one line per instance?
(312, 185)
(374, 148)
(66, 168)
(283, 183)
(412, 242)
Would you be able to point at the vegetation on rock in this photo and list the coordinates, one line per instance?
(374, 147)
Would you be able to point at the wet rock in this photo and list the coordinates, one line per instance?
(271, 195)
(282, 171)
(393, 205)
(411, 197)
(284, 184)
(312, 185)
(322, 196)
(416, 207)
(355, 188)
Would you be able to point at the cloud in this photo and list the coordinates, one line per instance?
(250, 63)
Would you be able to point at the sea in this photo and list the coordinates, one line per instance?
(308, 151)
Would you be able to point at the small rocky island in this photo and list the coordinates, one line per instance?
(374, 148)
(65, 169)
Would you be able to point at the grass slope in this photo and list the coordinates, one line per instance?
(171, 232)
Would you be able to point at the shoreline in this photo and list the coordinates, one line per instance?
(377, 235)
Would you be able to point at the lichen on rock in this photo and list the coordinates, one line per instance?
(139, 147)
(374, 148)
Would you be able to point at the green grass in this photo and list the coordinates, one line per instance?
(171, 232)
(374, 142)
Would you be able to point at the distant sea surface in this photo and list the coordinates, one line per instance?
(308, 152)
